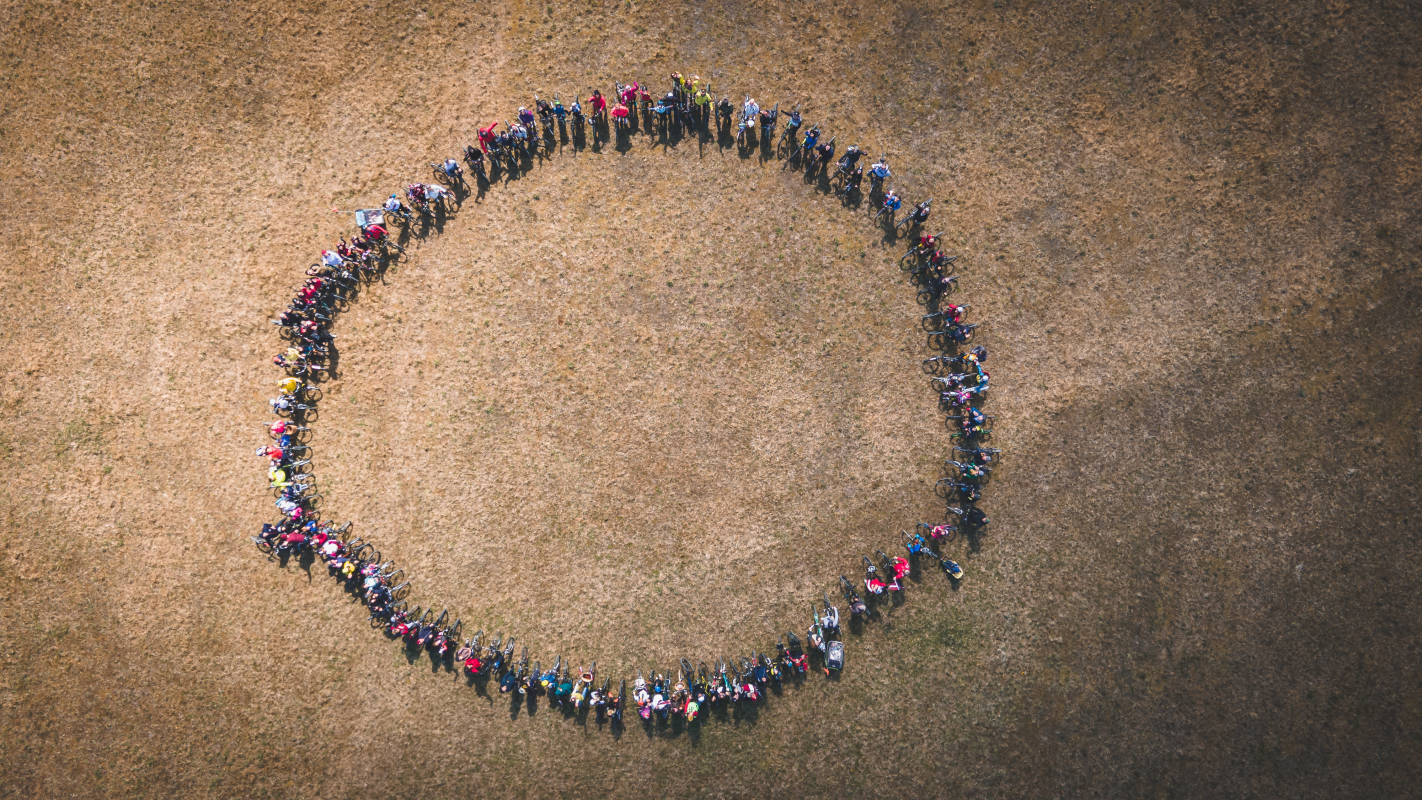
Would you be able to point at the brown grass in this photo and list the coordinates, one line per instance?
(1190, 226)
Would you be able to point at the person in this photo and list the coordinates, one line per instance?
(872, 582)
(544, 109)
(901, 568)
(599, 103)
(393, 204)
(812, 137)
(559, 111)
(794, 124)
(525, 117)
(880, 170)
(825, 151)
(628, 95)
(475, 157)
(975, 518)
(768, 117)
(580, 688)
(702, 101)
(850, 158)
(723, 109)
(892, 202)
(375, 233)
(330, 258)
(951, 568)
(619, 113)
(855, 178)
(472, 664)
(289, 385)
(486, 136)
(452, 170)
(951, 313)
(518, 133)
(830, 619)
(508, 682)
(614, 707)
(437, 194)
(750, 110)
(919, 215)
(577, 109)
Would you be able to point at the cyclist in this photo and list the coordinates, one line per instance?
(901, 568)
(892, 202)
(975, 518)
(451, 170)
(628, 94)
(702, 101)
(525, 117)
(830, 620)
(879, 170)
(508, 682)
(331, 258)
(599, 103)
(619, 114)
(793, 126)
(750, 110)
(472, 664)
(824, 152)
(850, 158)
(614, 707)
(871, 580)
(851, 184)
(723, 109)
(435, 193)
(559, 111)
(375, 233)
(812, 137)
(919, 215)
(487, 139)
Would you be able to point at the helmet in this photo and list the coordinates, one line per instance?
(521, 109)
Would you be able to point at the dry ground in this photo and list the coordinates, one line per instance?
(641, 403)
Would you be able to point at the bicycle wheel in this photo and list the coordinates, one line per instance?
(401, 592)
(364, 552)
(263, 546)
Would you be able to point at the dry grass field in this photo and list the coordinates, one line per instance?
(648, 402)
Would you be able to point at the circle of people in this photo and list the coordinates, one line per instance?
(683, 692)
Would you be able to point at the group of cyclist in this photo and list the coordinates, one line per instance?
(332, 283)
